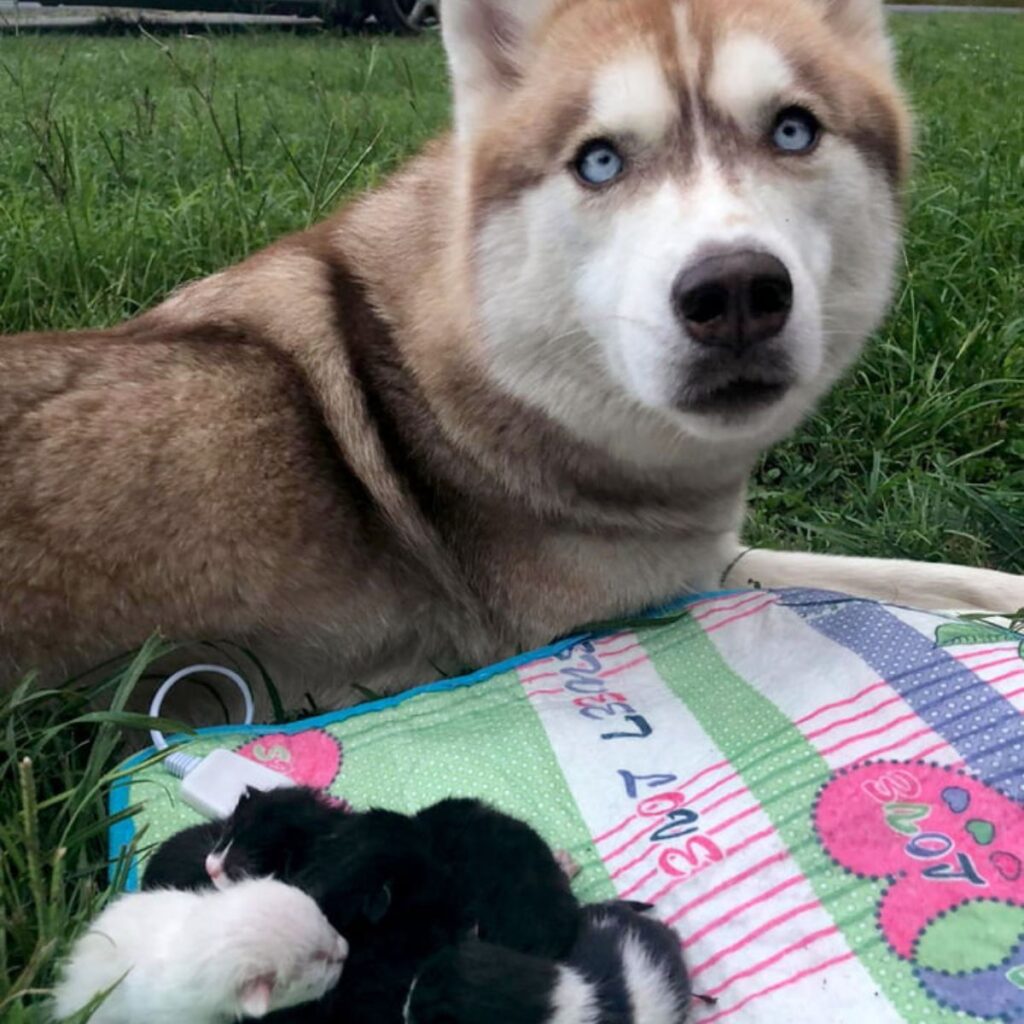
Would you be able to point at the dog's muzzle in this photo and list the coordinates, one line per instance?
(733, 304)
(734, 300)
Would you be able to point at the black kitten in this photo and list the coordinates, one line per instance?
(508, 887)
(376, 881)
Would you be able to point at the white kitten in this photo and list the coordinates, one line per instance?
(202, 957)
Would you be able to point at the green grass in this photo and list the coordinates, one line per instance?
(920, 452)
(128, 166)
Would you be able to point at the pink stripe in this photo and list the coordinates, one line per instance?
(893, 746)
(755, 934)
(1014, 693)
(701, 774)
(636, 860)
(930, 750)
(852, 718)
(992, 664)
(666, 889)
(807, 940)
(621, 650)
(751, 839)
(640, 835)
(540, 675)
(700, 602)
(730, 607)
(544, 693)
(618, 828)
(679, 791)
(742, 615)
(866, 735)
(839, 703)
(622, 668)
(734, 819)
(728, 884)
(710, 789)
(636, 837)
(1006, 675)
(842, 958)
(639, 884)
(725, 799)
(978, 654)
(736, 911)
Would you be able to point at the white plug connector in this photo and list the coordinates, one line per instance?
(214, 786)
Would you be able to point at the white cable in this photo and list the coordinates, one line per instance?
(214, 784)
(171, 681)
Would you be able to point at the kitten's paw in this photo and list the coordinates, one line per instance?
(565, 861)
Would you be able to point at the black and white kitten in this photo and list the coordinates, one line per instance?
(624, 968)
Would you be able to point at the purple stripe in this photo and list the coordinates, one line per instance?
(982, 725)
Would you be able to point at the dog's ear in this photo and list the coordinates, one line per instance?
(861, 23)
(488, 42)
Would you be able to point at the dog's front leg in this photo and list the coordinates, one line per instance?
(917, 584)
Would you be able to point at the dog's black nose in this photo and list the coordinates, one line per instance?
(734, 299)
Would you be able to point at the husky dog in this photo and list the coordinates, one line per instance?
(518, 388)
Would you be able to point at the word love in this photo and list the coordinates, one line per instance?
(950, 847)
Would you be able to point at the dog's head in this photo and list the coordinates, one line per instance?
(682, 214)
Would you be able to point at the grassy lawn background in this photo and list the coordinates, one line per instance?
(128, 166)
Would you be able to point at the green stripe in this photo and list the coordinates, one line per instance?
(484, 740)
(784, 773)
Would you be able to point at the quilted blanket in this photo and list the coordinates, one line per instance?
(821, 794)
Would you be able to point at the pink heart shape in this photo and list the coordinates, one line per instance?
(310, 758)
(933, 869)
(1007, 864)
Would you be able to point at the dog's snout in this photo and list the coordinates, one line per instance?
(734, 299)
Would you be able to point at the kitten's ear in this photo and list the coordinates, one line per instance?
(245, 797)
(636, 906)
(488, 42)
(255, 994)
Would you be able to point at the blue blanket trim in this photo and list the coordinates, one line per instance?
(121, 833)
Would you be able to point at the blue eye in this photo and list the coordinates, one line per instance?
(796, 130)
(598, 163)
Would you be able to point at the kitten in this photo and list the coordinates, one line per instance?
(500, 879)
(511, 889)
(202, 957)
(400, 887)
(624, 968)
(268, 833)
(277, 833)
(181, 861)
(376, 877)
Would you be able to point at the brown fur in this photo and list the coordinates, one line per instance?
(303, 453)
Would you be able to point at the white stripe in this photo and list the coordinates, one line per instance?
(573, 1000)
(650, 991)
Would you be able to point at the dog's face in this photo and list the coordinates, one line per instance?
(683, 214)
